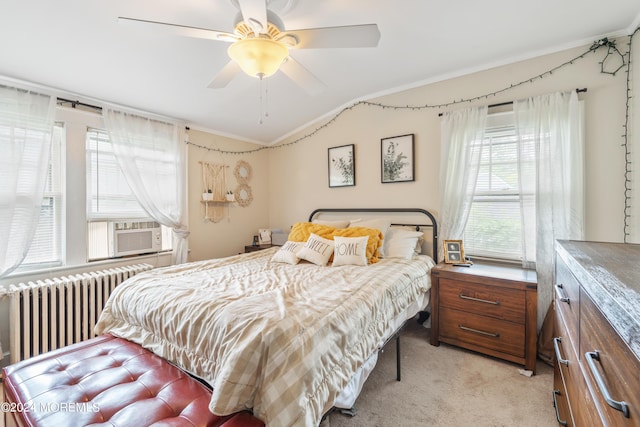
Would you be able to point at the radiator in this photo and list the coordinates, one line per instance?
(52, 313)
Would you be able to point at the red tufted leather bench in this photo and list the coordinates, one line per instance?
(108, 381)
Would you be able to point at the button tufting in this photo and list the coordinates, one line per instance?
(146, 391)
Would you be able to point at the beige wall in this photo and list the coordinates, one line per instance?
(291, 181)
(239, 224)
(298, 173)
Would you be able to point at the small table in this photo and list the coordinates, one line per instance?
(253, 248)
(490, 308)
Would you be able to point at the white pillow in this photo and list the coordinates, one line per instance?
(338, 223)
(401, 243)
(316, 249)
(381, 224)
(288, 253)
(350, 250)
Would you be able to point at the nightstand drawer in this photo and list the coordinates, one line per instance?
(499, 303)
(505, 337)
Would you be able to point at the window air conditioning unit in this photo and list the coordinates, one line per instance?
(134, 237)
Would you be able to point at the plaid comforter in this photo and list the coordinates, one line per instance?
(280, 339)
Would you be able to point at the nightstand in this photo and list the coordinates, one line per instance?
(252, 248)
(489, 308)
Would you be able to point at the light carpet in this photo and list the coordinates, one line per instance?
(448, 386)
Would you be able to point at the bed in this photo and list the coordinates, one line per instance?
(288, 341)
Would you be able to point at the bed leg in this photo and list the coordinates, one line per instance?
(398, 357)
(423, 316)
(352, 412)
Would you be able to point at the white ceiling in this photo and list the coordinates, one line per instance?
(78, 46)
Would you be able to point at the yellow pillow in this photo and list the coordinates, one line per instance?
(301, 231)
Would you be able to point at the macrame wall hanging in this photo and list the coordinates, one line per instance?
(214, 185)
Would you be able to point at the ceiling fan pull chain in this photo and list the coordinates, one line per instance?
(260, 99)
(264, 99)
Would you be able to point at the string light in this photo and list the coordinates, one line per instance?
(603, 43)
(612, 52)
(625, 146)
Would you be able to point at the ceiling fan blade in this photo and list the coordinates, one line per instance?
(225, 75)
(366, 35)
(303, 77)
(254, 14)
(181, 30)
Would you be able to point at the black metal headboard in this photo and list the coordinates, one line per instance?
(430, 224)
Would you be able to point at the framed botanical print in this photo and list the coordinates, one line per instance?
(397, 162)
(342, 166)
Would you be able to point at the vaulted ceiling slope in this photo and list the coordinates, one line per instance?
(81, 48)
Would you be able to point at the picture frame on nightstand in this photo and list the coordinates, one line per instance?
(454, 252)
(264, 236)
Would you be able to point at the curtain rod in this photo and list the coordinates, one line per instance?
(511, 102)
(74, 104)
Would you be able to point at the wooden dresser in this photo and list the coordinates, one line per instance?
(489, 308)
(597, 329)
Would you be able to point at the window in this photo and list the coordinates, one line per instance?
(494, 226)
(110, 202)
(108, 194)
(86, 199)
(47, 245)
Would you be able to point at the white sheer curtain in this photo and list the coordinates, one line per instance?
(551, 163)
(153, 160)
(462, 132)
(26, 129)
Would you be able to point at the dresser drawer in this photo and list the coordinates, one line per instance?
(560, 402)
(567, 295)
(458, 327)
(615, 365)
(493, 301)
(582, 409)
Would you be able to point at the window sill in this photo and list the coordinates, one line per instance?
(494, 259)
(159, 259)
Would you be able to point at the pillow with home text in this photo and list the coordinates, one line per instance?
(317, 250)
(288, 253)
(350, 250)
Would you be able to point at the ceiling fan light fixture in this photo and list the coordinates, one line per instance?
(258, 57)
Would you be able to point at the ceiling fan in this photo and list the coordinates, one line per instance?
(260, 44)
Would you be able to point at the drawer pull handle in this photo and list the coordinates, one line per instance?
(618, 405)
(477, 331)
(555, 405)
(561, 293)
(479, 300)
(556, 347)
